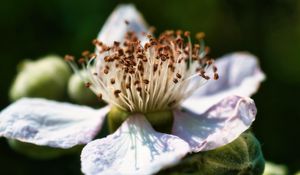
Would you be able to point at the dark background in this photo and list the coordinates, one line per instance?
(269, 29)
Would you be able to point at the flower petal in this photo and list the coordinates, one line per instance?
(218, 126)
(135, 148)
(239, 74)
(49, 123)
(115, 28)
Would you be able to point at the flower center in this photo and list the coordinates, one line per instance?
(145, 77)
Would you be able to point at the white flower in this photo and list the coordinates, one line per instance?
(162, 74)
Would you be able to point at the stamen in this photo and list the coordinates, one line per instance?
(154, 76)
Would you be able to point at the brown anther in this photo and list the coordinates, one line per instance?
(216, 76)
(69, 58)
(126, 22)
(178, 75)
(153, 43)
(112, 81)
(99, 96)
(172, 103)
(155, 66)
(136, 82)
(85, 53)
(81, 61)
(106, 71)
(88, 84)
(127, 86)
(202, 72)
(117, 93)
(139, 88)
(146, 81)
(95, 41)
(95, 73)
(120, 52)
(116, 43)
(186, 33)
(206, 77)
(92, 55)
(145, 59)
(175, 80)
(209, 62)
(200, 35)
(215, 69)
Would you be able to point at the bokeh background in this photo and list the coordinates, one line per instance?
(269, 29)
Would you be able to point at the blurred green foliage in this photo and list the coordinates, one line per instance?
(269, 29)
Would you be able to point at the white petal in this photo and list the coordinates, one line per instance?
(115, 28)
(218, 126)
(135, 148)
(239, 74)
(50, 123)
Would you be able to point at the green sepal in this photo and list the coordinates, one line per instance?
(240, 157)
(41, 152)
(161, 121)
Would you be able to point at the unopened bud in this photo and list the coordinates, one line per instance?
(46, 77)
(242, 156)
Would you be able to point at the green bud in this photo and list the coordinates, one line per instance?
(242, 157)
(79, 93)
(274, 169)
(161, 121)
(40, 152)
(298, 173)
(46, 77)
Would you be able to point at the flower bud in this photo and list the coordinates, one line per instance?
(40, 152)
(79, 93)
(242, 156)
(46, 77)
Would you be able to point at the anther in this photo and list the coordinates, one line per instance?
(106, 71)
(69, 58)
(175, 80)
(186, 33)
(216, 76)
(155, 66)
(178, 75)
(139, 88)
(116, 44)
(99, 96)
(81, 61)
(88, 84)
(126, 22)
(172, 103)
(85, 53)
(215, 69)
(117, 93)
(112, 81)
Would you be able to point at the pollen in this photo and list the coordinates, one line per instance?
(153, 75)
